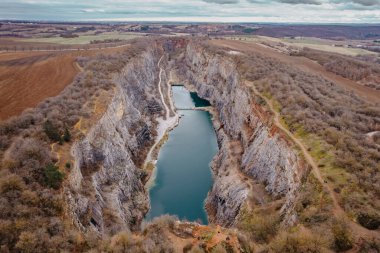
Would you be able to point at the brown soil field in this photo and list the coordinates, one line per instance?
(11, 42)
(27, 78)
(304, 64)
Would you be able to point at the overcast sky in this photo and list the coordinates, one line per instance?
(300, 11)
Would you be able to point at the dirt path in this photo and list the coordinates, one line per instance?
(164, 124)
(167, 110)
(305, 64)
(308, 157)
(337, 210)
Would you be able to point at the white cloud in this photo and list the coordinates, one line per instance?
(93, 10)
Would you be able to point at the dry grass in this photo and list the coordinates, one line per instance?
(98, 107)
(298, 242)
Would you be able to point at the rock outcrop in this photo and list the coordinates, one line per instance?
(105, 190)
(248, 144)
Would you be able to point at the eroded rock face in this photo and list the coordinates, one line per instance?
(105, 190)
(248, 144)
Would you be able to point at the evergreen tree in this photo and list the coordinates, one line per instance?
(52, 176)
(51, 131)
(67, 135)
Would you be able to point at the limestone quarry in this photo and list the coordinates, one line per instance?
(251, 151)
(268, 189)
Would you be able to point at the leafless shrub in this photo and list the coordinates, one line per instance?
(312, 104)
(290, 242)
(31, 212)
(356, 69)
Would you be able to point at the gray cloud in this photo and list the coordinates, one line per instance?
(222, 1)
(312, 2)
(352, 3)
(357, 4)
(366, 2)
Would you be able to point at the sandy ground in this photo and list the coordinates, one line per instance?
(304, 64)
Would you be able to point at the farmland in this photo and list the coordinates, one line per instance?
(85, 38)
(305, 42)
(27, 78)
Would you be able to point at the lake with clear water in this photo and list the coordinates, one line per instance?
(183, 173)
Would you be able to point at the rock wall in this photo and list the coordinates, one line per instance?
(105, 190)
(248, 144)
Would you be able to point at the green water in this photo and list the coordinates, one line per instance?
(183, 168)
(199, 102)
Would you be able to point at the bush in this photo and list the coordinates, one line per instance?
(67, 135)
(342, 236)
(219, 249)
(245, 244)
(197, 249)
(53, 177)
(121, 242)
(27, 242)
(259, 227)
(187, 247)
(369, 221)
(299, 242)
(370, 246)
(52, 132)
(144, 28)
(11, 183)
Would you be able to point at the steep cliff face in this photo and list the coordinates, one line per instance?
(248, 144)
(105, 189)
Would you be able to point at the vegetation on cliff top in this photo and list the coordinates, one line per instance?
(31, 198)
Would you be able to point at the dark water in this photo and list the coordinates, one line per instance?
(183, 172)
(199, 102)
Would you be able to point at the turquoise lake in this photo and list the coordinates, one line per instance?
(183, 176)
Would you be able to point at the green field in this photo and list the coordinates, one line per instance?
(85, 39)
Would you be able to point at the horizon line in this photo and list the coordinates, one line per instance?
(152, 21)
